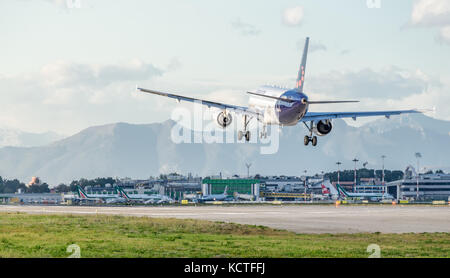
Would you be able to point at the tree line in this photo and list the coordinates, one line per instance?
(13, 186)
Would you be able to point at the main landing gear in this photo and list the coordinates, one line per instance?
(245, 133)
(310, 138)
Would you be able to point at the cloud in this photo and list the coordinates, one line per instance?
(444, 35)
(245, 29)
(432, 13)
(66, 96)
(390, 89)
(64, 74)
(293, 16)
(393, 83)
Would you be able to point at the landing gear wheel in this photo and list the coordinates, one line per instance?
(247, 136)
(306, 140)
(314, 141)
(240, 135)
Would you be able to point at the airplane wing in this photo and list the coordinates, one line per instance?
(237, 109)
(317, 116)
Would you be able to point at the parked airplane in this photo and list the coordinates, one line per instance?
(144, 198)
(216, 197)
(329, 190)
(108, 198)
(372, 196)
(272, 105)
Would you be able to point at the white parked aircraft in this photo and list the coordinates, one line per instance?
(144, 198)
(279, 106)
(107, 198)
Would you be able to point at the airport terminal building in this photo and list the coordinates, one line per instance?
(427, 187)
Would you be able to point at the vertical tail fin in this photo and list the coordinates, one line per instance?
(342, 191)
(81, 193)
(301, 71)
(325, 190)
(225, 191)
(122, 193)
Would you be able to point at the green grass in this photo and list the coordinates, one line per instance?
(26, 235)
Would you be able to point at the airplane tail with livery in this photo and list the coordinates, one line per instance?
(122, 193)
(325, 190)
(342, 192)
(301, 71)
(81, 193)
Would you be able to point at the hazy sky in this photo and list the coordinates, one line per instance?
(67, 65)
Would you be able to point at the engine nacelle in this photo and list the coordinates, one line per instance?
(322, 128)
(224, 119)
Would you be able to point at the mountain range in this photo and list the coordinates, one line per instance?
(19, 138)
(142, 150)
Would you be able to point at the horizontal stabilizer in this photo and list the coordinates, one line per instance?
(272, 97)
(331, 101)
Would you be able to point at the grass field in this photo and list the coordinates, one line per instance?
(25, 235)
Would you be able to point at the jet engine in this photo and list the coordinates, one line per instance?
(322, 127)
(224, 119)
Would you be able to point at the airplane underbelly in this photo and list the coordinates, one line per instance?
(290, 115)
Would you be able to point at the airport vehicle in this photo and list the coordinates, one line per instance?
(143, 198)
(273, 105)
(216, 197)
(109, 199)
(371, 196)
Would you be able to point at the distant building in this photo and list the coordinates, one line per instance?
(431, 186)
(234, 186)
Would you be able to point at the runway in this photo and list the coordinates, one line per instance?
(296, 218)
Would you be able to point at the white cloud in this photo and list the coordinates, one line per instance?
(67, 96)
(391, 82)
(390, 89)
(433, 13)
(444, 34)
(64, 74)
(293, 16)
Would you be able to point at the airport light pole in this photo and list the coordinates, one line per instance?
(339, 170)
(304, 196)
(418, 156)
(355, 160)
(248, 165)
(382, 174)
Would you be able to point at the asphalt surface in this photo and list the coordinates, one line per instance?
(296, 218)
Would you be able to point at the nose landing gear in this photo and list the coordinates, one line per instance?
(245, 134)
